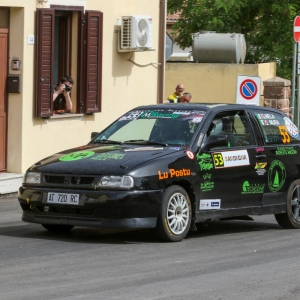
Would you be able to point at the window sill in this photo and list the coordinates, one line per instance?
(64, 116)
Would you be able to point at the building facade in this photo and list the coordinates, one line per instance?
(42, 40)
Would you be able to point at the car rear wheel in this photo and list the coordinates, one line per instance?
(291, 218)
(58, 227)
(174, 219)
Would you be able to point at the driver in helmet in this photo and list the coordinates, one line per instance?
(167, 129)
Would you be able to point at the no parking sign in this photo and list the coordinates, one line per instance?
(248, 89)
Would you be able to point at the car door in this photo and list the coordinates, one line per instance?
(281, 146)
(233, 176)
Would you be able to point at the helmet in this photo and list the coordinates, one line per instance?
(167, 128)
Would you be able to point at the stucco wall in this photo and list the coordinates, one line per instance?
(213, 83)
(124, 84)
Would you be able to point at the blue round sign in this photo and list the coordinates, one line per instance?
(248, 89)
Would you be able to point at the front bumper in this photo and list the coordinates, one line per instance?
(101, 208)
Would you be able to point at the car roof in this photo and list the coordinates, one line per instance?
(206, 106)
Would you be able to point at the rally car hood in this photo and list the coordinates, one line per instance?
(95, 159)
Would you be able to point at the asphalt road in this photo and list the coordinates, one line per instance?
(222, 260)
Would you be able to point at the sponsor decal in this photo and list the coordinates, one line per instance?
(76, 155)
(260, 168)
(174, 173)
(207, 204)
(190, 154)
(260, 149)
(205, 161)
(276, 175)
(158, 114)
(105, 156)
(143, 149)
(286, 151)
(132, 115)
(206, 176)
(196, 120)
(231, 159)
(291, 127)
(253, 188)
(207, 186)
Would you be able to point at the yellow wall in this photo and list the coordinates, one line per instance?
(213, 82)
(124, 84)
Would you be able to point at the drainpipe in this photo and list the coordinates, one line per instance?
(161, 51)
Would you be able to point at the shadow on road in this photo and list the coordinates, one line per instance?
(125, 236)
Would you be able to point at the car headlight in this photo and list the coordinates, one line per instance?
(32, 177)
(122, 182)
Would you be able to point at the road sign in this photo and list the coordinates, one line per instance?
(297, 29)
(248, 89)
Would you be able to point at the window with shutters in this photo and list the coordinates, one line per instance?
(68, 42)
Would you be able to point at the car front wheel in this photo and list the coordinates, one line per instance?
(175, 217)
(291, 218)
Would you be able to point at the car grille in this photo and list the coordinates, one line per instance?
(61, 210)
(67, 180)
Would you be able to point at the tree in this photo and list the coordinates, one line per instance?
(266, 24)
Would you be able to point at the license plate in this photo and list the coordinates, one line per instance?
(62, 198)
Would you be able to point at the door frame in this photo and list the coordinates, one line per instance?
(3, 163)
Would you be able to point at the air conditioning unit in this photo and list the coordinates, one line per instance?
(136, 32)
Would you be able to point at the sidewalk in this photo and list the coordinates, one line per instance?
(10, 183)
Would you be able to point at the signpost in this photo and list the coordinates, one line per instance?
(248, 89)
(296, 69)
(297, 29)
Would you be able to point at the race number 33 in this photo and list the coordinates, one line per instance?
(218, 160)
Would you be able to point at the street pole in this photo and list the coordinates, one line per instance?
(294, 84)
(298, 84)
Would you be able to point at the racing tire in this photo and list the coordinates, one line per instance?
(291, 218)
(57, 227)
(175, 216)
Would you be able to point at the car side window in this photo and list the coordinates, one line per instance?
(235, 125)
(276, 128)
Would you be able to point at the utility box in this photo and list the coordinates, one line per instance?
(14, 84)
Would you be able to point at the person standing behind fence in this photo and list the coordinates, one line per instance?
(173, 98)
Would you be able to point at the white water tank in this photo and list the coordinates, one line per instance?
(212, 47)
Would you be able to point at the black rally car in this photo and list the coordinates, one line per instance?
(168, 167)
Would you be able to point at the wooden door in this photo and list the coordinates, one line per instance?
(3, 96)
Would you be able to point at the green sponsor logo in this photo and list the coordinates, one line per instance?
(207, 186)
(76, 155)
(204, 161)
(276, 175)
(157, 114)
(252, 188)
(286, 151)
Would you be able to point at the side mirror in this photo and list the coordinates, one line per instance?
(94, 134)
(217, 140)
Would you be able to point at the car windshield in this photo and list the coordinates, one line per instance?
(156, 126)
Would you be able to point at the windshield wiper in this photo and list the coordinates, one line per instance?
(146, 142)
(108, 142)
